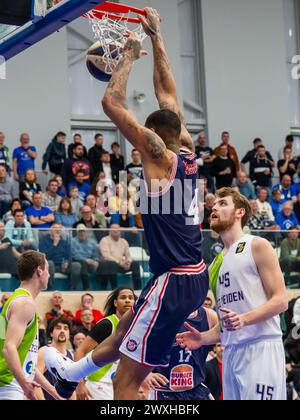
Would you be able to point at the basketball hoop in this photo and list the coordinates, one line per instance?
(109, 21)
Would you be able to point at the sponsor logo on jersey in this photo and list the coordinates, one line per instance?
(191, 169)
(182, 378)
(30, 368)
(240, 248)
(132, 345)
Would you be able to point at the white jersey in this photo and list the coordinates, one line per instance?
(238, 287)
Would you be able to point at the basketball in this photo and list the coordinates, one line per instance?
(97, 63)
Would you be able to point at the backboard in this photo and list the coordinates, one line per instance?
(48, 16)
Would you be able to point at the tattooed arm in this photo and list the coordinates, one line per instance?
(164, 82)
(114, 104)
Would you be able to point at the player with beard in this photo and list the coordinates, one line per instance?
(59, 331)
(250, 293)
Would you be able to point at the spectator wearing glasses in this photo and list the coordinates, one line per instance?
(87, 302)
(287, 218)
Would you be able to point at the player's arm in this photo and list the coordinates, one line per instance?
(20, 315)
(272, 279)
(164, 81)
(45, 384)
(193, 339)
(114, 104)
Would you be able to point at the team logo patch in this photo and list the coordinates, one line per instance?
(132, 345)
(240, 248)
(182, 378)
(30, 368)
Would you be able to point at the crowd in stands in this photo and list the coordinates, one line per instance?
(93, 190)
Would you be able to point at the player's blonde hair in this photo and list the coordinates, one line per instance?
(239, 201)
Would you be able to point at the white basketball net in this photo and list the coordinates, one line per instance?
(110, 33)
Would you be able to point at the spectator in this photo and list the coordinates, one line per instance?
(4, 299)
(205, 158)
(55, 155)
(51, 199)
(59, 331)
(288, 165)
(297, 206)
(287, 218)
(123, 217)
(259, 222)
(213, 378)
(117, 259)
(223, 168)
(115, 201)
(87, 302)
(58, 253)
(76, 202)
(292, 343)
(29, 187)
(61, 191)
(208, 303)
(75, 164)
(19, 232)
(290, 252)
(106, 166)
(208, 206)
(4, 153)
(8, 254)
(288, 191)
(102, 190)
(264, 208)
(98, 215)
(85, 251)
(14, 205)
(289, 141)
(38, 216)
(57, 310)
(261, 169)
(77, 338)
(6, 191)
(245, 186)
(95, 153)
(89, 221)
(83, 186)
(252, 154)
(116, 161)
(23, 158)
(277, 202)
(77, 140)
(135, 168)
(65, 215)
(212, 246)
(232, 153)
(87, 321)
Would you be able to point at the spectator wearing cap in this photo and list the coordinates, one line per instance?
(89, 221)
(232, 153)
(57, 310)
(288, 191)
(87, 302)
(85, 252)
(287, 218)
(277, 202)
(19, 232)
(245, 186)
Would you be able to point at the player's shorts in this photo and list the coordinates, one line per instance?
(101, 391)
(199, 393)
(11, 393)
(163, 307)
(254, 371)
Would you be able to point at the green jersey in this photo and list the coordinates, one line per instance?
(104, 374)
(27, 350)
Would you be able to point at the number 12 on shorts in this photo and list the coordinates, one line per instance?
(266, 392)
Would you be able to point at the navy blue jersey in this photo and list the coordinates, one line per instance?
(171, 218)
(50, 378)
(186, 370)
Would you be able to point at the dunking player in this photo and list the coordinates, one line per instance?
(183, 379)
(250, 293)
(180, 283)
(19, 332)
